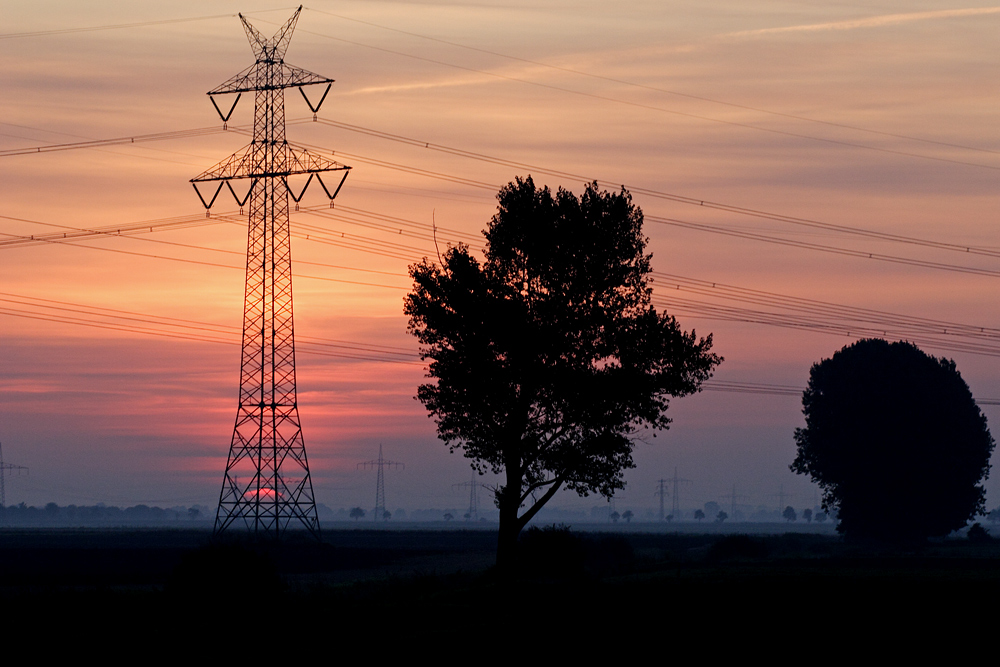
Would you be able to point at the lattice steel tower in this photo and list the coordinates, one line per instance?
(267, 484)
(380, 464)
(4, 469)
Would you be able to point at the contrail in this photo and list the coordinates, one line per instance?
(870, 22)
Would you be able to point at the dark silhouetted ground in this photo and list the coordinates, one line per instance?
(414, 584)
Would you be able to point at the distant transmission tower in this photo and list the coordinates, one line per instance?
(675, 498)
(781, 495)
(4, 469)
(661, 491)
(473, 514)
(267, 449)
(380, 464)
(733, 498)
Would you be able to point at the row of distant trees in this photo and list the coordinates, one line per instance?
(100, 515)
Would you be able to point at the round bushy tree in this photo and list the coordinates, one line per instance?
(895, 440)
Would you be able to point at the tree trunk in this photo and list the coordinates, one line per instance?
(510, 526)
(507, 542)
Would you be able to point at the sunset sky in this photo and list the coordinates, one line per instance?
(876, 119)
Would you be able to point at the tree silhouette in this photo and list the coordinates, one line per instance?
(548, 357)
(699, 515)
(889, 426)
(721, 516)
(357, 513)
(789, 514)
(627, 515)
(807, 514)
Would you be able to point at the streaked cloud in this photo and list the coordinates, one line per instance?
(870, 22)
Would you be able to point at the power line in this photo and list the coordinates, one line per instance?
(134, 230)
(780, 114)
(311, 345)
(116, 141)
(119, 26)
(681, 199)
(808, 314)
(216, 264)
(742, 315)
(967, 249)
(113, 26)
(762, 237)
(657, 89)
(650, 107)
(874, 317)
(67, 312)
(820, 247)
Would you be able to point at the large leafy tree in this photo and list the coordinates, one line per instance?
(889, 426)
(547, 358)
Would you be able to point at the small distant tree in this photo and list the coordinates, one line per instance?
(820, 517)
(789, 514)
(721, 516)
(448, 516)
(627, 515)
(357, 513)
(978, 534)
(807, 514)
(670, 517)
(386, 515)
(994, 516)
(699, 515)
(614, 516)
(193, 513)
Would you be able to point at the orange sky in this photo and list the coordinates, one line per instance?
(743, 103)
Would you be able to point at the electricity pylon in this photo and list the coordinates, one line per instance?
(473, 514)
(267, 451)
(380, 463)
(733, 497)
(781, 495)
(675, 498)
(4, 469)
(661, 491)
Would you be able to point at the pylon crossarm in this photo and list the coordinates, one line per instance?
(301, 161)
(240, 165)
(279, 76)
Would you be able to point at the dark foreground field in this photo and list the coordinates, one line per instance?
(413, 584)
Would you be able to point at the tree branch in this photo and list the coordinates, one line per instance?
(527, 516)
(537, 485)
(538, 451)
